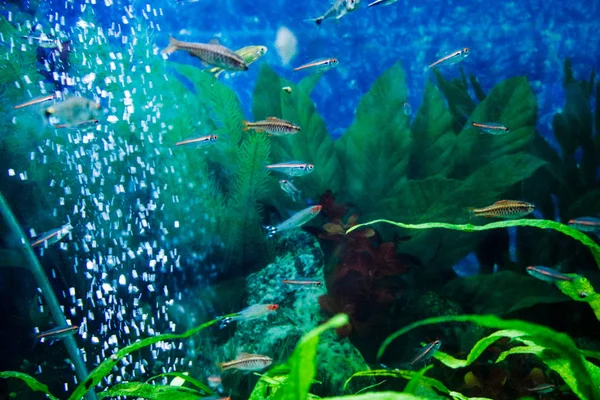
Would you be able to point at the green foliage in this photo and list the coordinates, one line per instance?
(580, 289)
(33, 383)
(186, 378)
(151, 392)
(416, 377)
(535, 223)
(312, 144)
(558, 350)
(375, 151)
(501, 293)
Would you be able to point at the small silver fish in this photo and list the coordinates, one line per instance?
(547, 274)
(51, 237)
(426, 352)
(586, 224)
(452, 58)
(338, 9)
(290, 189)
(493, 128)
(292, 168)
(57, 333)
(296, 221)
(200, 141)
(382, 3)
(321, 65)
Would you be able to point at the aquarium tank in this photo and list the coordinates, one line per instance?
(291, 200)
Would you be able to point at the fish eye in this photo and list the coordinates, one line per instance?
(466, 50)
(310, 166)
(582, 295)
(334, 60)
(214, 137)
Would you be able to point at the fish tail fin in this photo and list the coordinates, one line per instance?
(221, 366)
(271, 230)
(471, 212)
(171, 47)
(246, 125)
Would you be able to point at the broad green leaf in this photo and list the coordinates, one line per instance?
(519, 350)
(270, 382)
(109, 363)
(415, 381)
(535, 223)
(460, 102)
(433, 139)
(33, 383)
(560, 352)
(312, 144)
(374, 151)
(511, 103)
(151, 392)
(308, 84)
(302, 362)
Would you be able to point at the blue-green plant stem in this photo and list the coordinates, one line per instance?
(44, 284)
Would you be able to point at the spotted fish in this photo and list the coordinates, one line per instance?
(247, 362)
(273, 126)
(507, 209)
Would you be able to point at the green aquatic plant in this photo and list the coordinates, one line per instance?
(556, 350)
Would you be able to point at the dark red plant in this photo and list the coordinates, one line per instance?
(364, 283)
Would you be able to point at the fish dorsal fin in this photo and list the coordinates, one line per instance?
(214, 41)
(273, 119)
(503, 202)
(243, 355)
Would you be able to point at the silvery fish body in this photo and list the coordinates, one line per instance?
(338, 9)
(210, 53)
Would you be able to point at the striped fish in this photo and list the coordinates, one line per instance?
(247, 362)
(51, 237)
(452, 58)
(426, 353)
(302, 282)
(586, 224)
(292, 168)
(547, 274)
(57, 333)
(507, 209)
(493, 128)
(273, 126)
(321, 65)
(35, 101)
(211, 53)
(296, 221)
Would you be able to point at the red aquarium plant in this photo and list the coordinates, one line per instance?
(365, 280)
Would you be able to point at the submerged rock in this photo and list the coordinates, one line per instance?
(277, 335)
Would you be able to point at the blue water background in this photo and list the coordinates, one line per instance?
(506, 38)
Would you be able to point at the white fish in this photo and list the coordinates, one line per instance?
(338, 9)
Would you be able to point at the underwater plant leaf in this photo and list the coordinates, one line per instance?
(374, 151)
(459, 101)
(243, 235)
(302, 362)
(511, 103)
(533, 349)
(410, 375)
(270, 382)
(186, 378)
(560, 352)
(535, 223)
(109, 363)
(148, 391)
(500, 293)
(438, 198)
(378, 396)
(415, 381)
(29, 380)
(312, 144)
(433, 139)
(308, 84)
(477, 349)
(580, 289)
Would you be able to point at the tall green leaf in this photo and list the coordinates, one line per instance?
(151, 392)
(33, 383)
(433, 139)
(375, 150)
(302, 362)
(312, 144)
